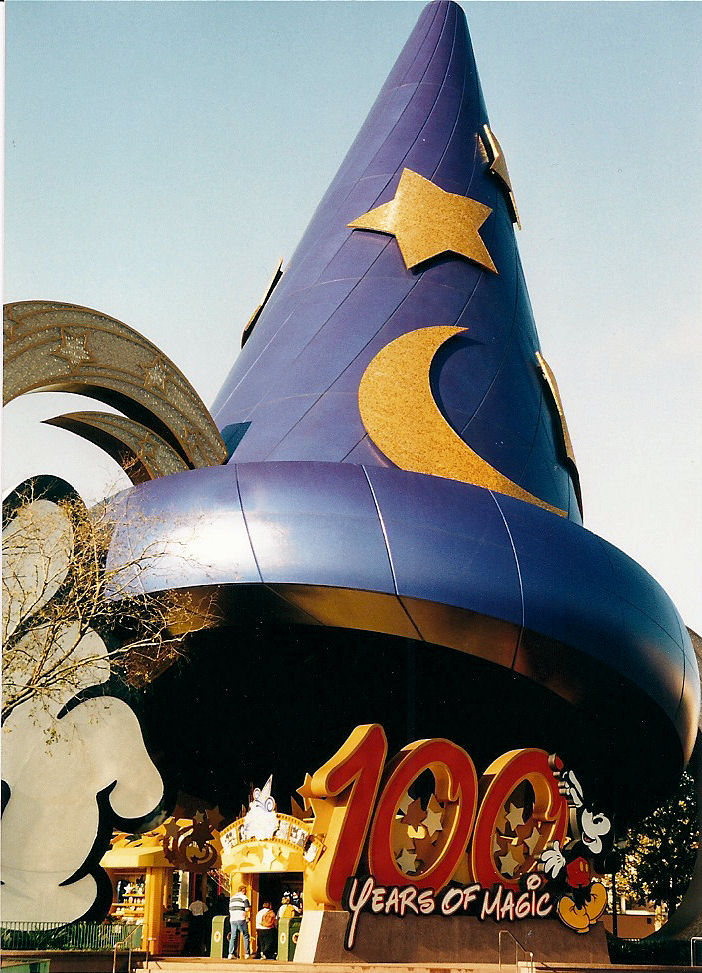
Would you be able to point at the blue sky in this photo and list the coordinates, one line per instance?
(161, 157)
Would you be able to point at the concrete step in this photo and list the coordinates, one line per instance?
(196, 964)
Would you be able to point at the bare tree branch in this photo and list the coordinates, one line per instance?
(68, 620)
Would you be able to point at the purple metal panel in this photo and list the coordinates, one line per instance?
(636, 586)
(457, 556)
(365, 453)
(459, 167)
(448, 543)
(435, 72)
(355, 250)
(314, 524)
(545, 477)
(385, 114)
(317, 431)
(392, 156)
(243, 388)
(184, 530)
(389, 262)
(491, 311)
(572, 595)
(421, 46)
(344, 336)
(429, 148)
(273, 417)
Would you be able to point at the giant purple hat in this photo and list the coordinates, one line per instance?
(414, 235)
(399, 459)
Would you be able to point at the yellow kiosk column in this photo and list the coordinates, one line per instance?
(153, 908)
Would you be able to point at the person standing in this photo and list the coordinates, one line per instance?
(195, 927)
(265, 932)
(239, 912)
(286, 910)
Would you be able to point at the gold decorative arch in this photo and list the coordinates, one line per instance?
(49, 346)
(141, 452)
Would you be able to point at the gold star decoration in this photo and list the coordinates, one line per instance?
(432, 822)
(146, 451)
(532, 840)
(201, 832)
(296, 810)
(171, 829)
(407, 861)
(305, 792)
(400, 838)
(426, 221)
(514, 816)
(155, 375)
(215, 817)
(509, 864)
(414, 814)
(404, 804)
(498, 167)
(427, 850)
(73, 348)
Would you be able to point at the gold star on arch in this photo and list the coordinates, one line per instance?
(414, 814)
(155, 375)
(426, 221)
(73, 348)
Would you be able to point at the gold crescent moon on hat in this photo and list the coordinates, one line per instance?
(403, 420)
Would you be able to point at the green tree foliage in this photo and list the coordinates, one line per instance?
(661, 851)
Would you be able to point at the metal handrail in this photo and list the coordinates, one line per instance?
(127, 939)
(527, 952)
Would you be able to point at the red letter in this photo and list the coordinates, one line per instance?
(549, 817)
(342, 794)
(456, 785)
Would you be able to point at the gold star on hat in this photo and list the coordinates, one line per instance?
(427, 221)
(498, 167)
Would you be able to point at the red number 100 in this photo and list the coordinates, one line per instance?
(343, 794)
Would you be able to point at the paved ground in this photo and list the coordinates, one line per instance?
(205, 965)
(102, 963)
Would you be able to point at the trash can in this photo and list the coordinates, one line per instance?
(288, 932)
(219, 944)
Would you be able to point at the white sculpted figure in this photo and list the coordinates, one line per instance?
(261, 821)
(56, 762)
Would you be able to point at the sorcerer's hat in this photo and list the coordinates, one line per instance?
(401, 333)
(399, 460)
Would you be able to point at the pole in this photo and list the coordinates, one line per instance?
(614, 905)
